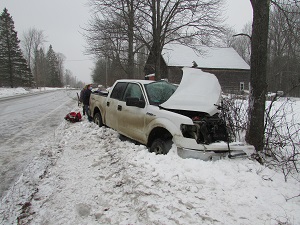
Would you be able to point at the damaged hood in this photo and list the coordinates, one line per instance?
(198, 91)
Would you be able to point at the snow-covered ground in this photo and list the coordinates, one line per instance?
(86, 175)
(25, 121)
(7, 92)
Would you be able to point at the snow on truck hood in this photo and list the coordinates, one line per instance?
(198, 91)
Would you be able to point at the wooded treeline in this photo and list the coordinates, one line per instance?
(283, 65)
(264, 41)
(27, 64)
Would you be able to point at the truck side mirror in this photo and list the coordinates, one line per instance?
(135, 102)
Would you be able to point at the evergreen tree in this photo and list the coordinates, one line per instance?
(68, 76)
(41, 67)
(14, 70)
(99, 72)
(53, 74)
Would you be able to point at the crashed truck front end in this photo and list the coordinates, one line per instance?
(206, 136)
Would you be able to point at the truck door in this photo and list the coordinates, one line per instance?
(112, 103)
(131, 119)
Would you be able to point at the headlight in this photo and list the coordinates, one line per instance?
(189, 131)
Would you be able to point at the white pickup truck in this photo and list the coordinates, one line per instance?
(158, 114)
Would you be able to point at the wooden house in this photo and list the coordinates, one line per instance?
(231, 70)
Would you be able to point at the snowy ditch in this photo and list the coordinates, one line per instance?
(87, 175)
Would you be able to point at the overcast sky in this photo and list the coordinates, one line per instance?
(62, 20)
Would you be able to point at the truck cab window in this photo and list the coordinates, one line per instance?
(133, 91)
(118, 90)
(159, 92)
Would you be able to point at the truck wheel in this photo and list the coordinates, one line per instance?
(160, 146)
(98, 119)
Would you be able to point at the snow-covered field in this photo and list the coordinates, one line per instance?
(86, 175)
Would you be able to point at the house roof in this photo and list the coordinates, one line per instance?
(215, 58)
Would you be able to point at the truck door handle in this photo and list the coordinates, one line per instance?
(107, 103)
(119, 107)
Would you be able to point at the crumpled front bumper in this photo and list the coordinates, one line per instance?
(217, 151)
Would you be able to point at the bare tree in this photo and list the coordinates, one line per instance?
(283, 47)
(228, 39)
(284, 50)
(153, 24)
(68, 77)
(189, 22)
(33, 39)
(281, 145)
(111, 35)
(242, 43)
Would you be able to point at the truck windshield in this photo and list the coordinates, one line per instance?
(159, 92)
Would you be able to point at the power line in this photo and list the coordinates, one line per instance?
(70, 60)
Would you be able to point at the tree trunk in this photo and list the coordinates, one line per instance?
(156, 48)
(255, 131)
(130, 63)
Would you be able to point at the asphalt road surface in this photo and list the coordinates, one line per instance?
(26, 122)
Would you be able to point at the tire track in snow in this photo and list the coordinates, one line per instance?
(46, 103)
(19, 149)
(33, 124)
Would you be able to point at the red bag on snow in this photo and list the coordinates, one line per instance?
(73, 117)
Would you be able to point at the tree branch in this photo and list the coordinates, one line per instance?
(242, 34)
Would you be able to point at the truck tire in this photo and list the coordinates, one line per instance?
(160, 146)
(98, 119)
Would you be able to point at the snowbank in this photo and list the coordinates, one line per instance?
(86, 175)
(7, 92)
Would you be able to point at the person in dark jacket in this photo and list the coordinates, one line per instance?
(86, 100)
(81, 98)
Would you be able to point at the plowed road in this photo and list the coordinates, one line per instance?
(25, 123)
